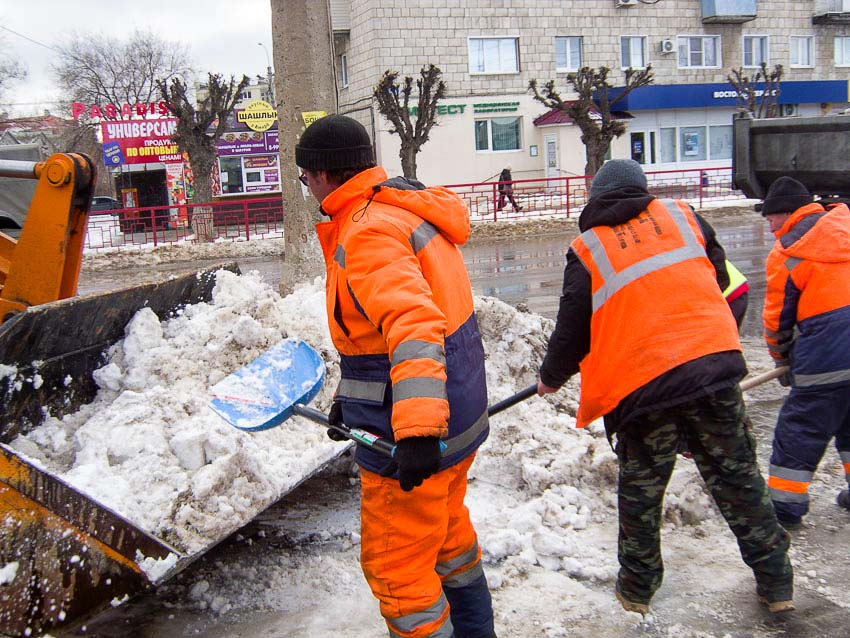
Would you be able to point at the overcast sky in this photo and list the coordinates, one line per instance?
(221, 36)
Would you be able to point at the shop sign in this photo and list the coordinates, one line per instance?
(112, 111)
(247, 143)
(495, 107)
(258, 115)
(139, 141)
(442, 109)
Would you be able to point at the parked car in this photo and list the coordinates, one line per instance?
(101, 202)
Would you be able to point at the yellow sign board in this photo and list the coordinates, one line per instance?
(259, 115)
(311, 116)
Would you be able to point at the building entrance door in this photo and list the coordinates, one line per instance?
(550, 146)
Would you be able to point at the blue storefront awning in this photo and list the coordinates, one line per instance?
(683, 96)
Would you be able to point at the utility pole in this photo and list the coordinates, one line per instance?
(302, 46)
(269, 75)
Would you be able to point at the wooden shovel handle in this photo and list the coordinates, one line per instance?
(752, 382)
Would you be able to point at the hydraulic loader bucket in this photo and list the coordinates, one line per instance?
(49, 351)
(63, 557)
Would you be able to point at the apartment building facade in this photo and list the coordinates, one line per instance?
(489, 50)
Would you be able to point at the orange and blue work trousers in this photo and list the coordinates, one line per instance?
(420, 555)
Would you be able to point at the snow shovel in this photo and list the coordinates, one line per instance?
(277, 384)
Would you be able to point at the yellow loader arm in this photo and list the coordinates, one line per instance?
(44, 264)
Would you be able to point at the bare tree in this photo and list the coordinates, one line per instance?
(198, 128)
(394, 104)
(96, 69)
(11, 70)
(592, 110)
(761, 103)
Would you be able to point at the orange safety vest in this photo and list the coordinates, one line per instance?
(656, 304)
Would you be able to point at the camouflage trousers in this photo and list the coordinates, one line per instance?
(716, 429)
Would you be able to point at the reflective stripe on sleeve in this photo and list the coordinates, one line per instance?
(418, 349)
(468, 436)
(339, 255)
(366, 390)
(421, 235)
(419, 388)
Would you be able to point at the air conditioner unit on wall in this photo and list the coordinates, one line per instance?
(626, 3)
(666, 46)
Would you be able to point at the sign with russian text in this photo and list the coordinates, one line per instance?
(247, 143)
(258, 115)
(139, 141)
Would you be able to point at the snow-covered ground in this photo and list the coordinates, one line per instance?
(542, 493)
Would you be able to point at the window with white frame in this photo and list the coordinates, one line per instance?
(802, 50)
(493, 55)
(498, 134)
(755, 50)
(343, 70)
(842, 50)
(699, 51)
(568, 53)
(633, 51)
(668, 146)
(720, 142)
(692, 144)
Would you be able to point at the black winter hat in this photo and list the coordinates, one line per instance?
(617, 173)
(334, 142)
(785, 195)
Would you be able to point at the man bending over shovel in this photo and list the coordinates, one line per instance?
(400, 312)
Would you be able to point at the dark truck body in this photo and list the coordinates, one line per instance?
(814, 150)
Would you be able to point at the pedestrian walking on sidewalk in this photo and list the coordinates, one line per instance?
(506, 190)
(643, 318)
(401, 315)
(807, 327)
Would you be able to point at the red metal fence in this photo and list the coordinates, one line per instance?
(263, 218)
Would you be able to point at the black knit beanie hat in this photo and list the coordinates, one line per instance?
(785, 195)
(617, 173)
(334, 142)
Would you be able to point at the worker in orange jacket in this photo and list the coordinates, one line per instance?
(807, 326)
(400, 312)
(643, 318)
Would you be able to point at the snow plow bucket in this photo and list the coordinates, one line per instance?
(63, 556)
(49, 351)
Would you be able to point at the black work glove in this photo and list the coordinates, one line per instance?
(785, 379)
(416, 458)
(335, 418)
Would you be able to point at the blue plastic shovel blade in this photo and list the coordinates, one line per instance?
(262, 394)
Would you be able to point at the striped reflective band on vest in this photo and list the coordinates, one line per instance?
(420, 237)
(823, 378)
(339, 255)
(465, 577)
(788, 486)
(410, 622)
(614, 281)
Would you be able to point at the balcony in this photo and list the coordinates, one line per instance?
(728, 11)
(831, 12)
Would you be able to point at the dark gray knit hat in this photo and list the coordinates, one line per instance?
(617, 173)
(785, 195)
(334, 142)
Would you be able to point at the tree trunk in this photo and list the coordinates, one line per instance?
(304, 81)
(202, 216)
(407, 154)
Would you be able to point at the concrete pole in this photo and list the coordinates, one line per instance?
(302, 50)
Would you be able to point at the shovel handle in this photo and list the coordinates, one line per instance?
(382, 445)
(757, 380)
(522, 395)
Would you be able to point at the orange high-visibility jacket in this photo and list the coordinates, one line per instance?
(807, 305)
(401, 314)
(656, 304)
